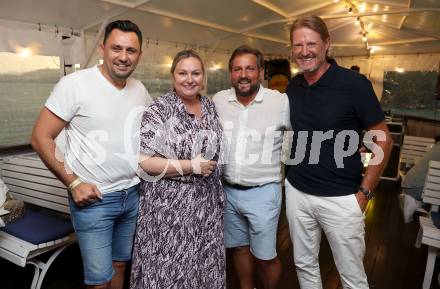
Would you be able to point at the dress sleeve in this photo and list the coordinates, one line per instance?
(152, 129)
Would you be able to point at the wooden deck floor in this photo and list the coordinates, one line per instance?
(391, 262)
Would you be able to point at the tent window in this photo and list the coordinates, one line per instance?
(217, 80)
(411, 93)
(25, 84)
(154, 76)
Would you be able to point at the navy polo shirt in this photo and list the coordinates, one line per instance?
(327, 117)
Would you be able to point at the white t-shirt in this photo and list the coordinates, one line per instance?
(102, 134)
(253, 135)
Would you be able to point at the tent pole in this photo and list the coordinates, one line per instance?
(95, 44)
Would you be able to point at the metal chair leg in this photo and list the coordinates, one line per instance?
(44, 267)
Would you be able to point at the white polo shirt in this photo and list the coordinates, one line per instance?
(253, 135)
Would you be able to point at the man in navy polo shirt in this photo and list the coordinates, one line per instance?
(329, 107)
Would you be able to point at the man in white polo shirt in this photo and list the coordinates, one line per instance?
(253, 119)
(100, 109)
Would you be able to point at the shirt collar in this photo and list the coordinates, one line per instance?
(325, 80)
(258, 98)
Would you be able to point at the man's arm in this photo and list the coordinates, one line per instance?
(374, 171)
(46, 129)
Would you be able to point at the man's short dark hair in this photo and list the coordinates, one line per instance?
(355, 68)
(125, 26)
(244, 49)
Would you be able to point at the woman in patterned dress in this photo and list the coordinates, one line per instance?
(179, 237)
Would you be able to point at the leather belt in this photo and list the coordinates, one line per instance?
(239, 187)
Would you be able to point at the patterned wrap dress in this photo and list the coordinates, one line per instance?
(179, 239)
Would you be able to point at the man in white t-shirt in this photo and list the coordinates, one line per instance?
(100, 110)
(253, 119)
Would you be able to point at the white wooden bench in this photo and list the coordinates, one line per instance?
(413, 149)
(429, 234)
(29, 180)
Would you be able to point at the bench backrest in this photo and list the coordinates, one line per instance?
(431, 190)
(29, 180)
(414, 148)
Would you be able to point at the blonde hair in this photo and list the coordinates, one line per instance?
(314, 23)
(186, 54)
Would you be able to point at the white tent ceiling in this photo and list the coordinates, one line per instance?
(392, 26)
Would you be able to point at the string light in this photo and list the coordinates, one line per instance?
(359, 7)
(364, 37)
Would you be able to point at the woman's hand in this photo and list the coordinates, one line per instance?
(201, 166)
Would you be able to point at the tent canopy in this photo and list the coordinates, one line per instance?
(390, 26)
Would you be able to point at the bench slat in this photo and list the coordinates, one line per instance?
(35, 179)
(28, 170)
(26, 194)
(43, 203)
(433, 172)
(418, 139)
(431, 200)
(434, 165)
(431, 234)
(26, 162)
(413, 153)
(415, 149)
(50, 190)
(433, 187)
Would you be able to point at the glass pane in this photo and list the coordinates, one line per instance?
(411, 93)
(25, 84)
(218, 79)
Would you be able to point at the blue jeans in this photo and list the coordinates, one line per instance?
(105, 231)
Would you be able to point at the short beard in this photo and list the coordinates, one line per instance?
(311, 70)
(253, 89)
(316, 68)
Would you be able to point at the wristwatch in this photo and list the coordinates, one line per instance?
(368, 194)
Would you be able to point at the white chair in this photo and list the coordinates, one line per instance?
(30, 181)
(413, 148)
(429, 234)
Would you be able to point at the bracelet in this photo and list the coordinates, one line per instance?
(74, 184)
